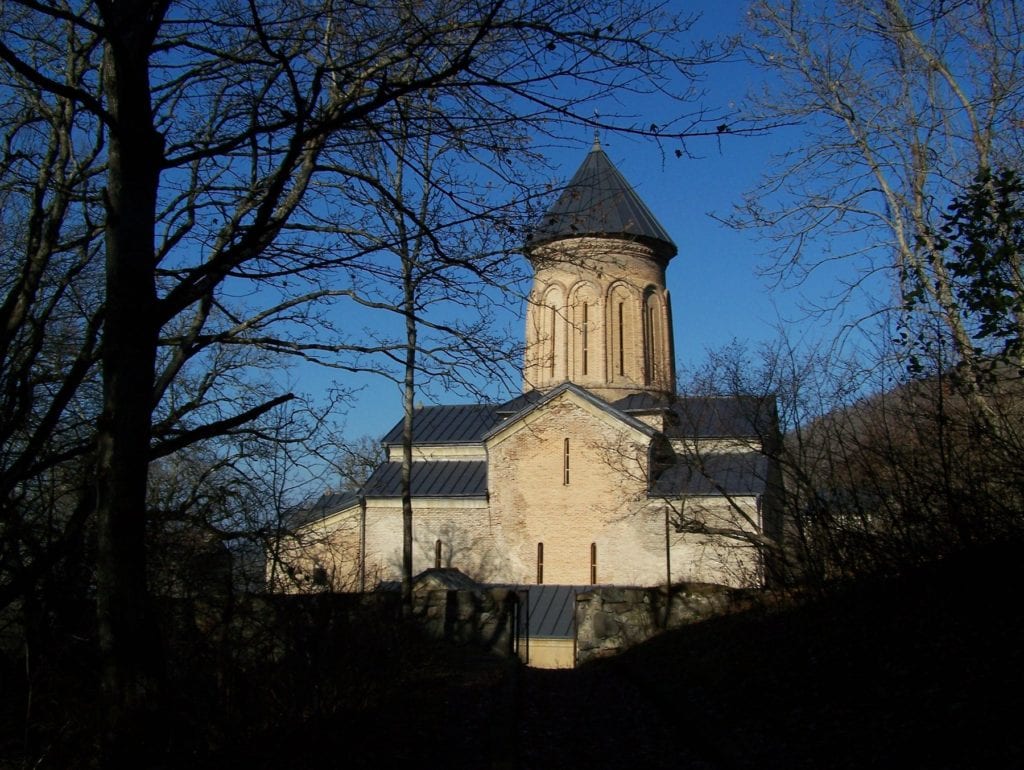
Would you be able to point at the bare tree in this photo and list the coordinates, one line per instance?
(905, 107)
(902, 104)
(239, 493)
(168, 173)
(879, 470)
(429, 263)
(356, 461)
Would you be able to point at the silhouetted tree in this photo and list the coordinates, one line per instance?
(901, 103)
(170, 182)
(982, 236)
(879, 470)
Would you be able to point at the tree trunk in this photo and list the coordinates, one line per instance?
(129, 647)
(409, 406)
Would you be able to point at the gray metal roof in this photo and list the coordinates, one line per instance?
(434, 478)
(728, 473)
(598, 201)
(642, 402)
(329, 502)
(445, 578)
(453, 424)
(583, 393)
(520, 402)
(552, 610)
(693, 416)
(723, 416)
(700, 416)
(435, 578)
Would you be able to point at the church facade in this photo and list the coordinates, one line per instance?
(598, 473)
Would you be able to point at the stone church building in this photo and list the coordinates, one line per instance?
(598, 473)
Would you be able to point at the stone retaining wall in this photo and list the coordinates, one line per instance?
(484, 618)
(610, 620)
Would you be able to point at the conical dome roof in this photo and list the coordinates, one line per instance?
(599, 202)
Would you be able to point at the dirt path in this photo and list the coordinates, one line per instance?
(595, 719)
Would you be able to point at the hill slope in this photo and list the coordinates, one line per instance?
(922, 671)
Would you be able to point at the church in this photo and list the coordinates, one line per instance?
(598, 473)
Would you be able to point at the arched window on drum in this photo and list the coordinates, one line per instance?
(621, 315)
(653, 335)
(587, 350)
(552, 335)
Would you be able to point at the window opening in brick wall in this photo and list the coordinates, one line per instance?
(622, 340)
(565, 462)
(584, 331)
(540, 563)
(554, 346)
(648, 339)
(593, 564)
(437, 554)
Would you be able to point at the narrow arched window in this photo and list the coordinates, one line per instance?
(585, 336)
(654, 337)
(540, 563)
(554, 346)
(622, 338)
(437, 554)
(648, 321)
(593, 564)
(565, 462)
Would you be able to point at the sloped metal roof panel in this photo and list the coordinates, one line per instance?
(727, 473)
(329, 503)
(598, 201)
(552, 610)
(642, 402)
(437, 478)
(551, 395)
(445, 578)
(451, 424)
(519, 403)
(689, 416)
(721, 416)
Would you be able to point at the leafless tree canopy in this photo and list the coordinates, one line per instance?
(902, 103)
(184, 197)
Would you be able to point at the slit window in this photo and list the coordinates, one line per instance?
(585, 335)
(540, 563)
(648, 341)
(437, 554)
(593, 564)
(622, 339)
(565, 462)
(554, 328)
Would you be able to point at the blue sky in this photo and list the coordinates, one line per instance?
(718, 294)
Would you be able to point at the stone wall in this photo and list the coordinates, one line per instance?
(611, 620)
(484, 618)
(281, 624)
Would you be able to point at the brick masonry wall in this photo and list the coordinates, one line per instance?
(533, 504)
(603, 273)
(495, 541)
(604, 503)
